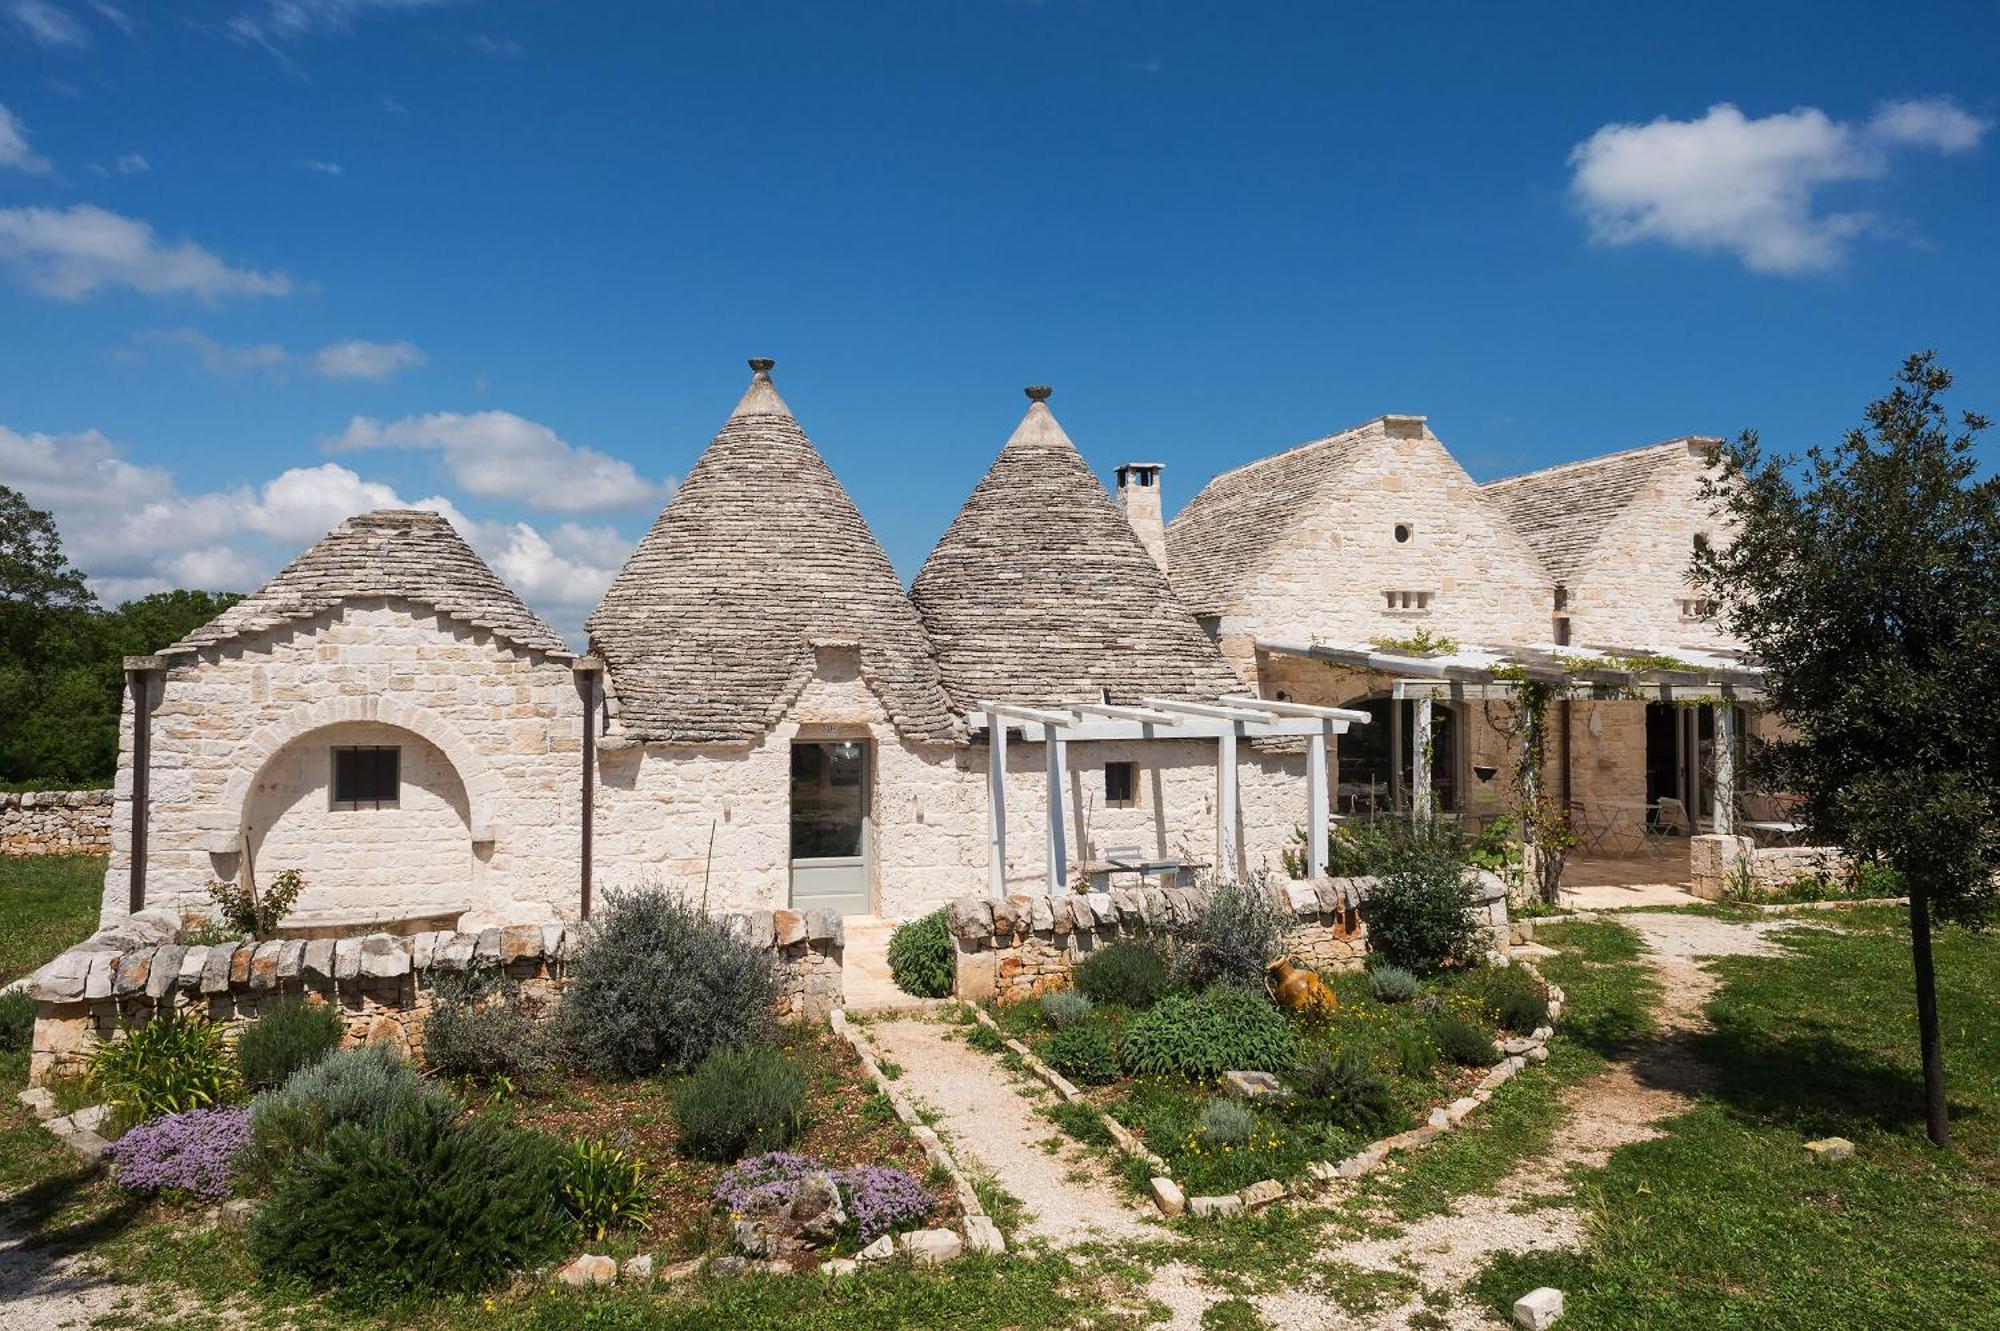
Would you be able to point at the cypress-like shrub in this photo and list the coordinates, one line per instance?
(922, 956)
(663, 984)
(287, 1035)
(740, 1101)
(417, 1203)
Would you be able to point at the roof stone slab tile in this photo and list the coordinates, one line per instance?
(1040, 593)
(392, 554)
(1563, 511)
(709, 631)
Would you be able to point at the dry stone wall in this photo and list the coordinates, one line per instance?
(55, 822)
(1720, 865)
(1022, 946)
(382, 984)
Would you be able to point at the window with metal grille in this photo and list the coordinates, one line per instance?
(367, 777)
(1121, 784)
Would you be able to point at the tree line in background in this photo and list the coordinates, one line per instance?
(62, 654)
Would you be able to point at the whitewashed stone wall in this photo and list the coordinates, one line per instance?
(55, 822)
(1484, 581)
(1630, 592)
(658, 806)
(241, 734)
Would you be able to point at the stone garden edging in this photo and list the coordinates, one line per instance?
(1319, 1175)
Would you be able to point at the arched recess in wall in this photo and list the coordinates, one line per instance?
(375, 816)
(1375, 758)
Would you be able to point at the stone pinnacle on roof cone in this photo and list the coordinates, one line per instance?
(1038, 392)
(762, 395)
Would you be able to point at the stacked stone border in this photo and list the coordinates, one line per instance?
(1320, 1176)
(382, 984)
(1021, 946)
(55, 822)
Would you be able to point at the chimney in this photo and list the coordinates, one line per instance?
(1139, 496)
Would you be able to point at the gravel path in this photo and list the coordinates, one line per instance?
(41, 1292)
(1621, 1105)
(991, 1122)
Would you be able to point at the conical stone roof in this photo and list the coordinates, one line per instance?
(1041, 593)
(404, 554)
(708, 632)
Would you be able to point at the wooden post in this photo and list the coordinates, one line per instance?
(1725, 767)
(996, 806)
(1058, 833)
(586, 680)
(1316, 829)
(138, 676)
(1226, 867)
(1420, 759)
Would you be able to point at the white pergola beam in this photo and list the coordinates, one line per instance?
(1208, 709)
(1277, 707)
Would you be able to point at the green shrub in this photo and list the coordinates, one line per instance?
(1393, 984)
(1226, 1122)
(1239, 929)
(248, 912)
(1519, 1001)
(1202, 1036)
(1083, 1053)
(1065, 1007)
(484, 1030)
(1131, 971)
(164, 1066)
(1462, 1042)
(603, 1188)
(361, 1086)
(1416, 1056)
(1081, 1121)
(1422, 912)
(662, 984)
(985, 1039)
(922, 956)
(1344, 1089)
(416, 1203)
(287, 1035)
(17, 1021)
(739, 1101)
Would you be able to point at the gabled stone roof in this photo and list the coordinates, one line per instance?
(1218, 543)
(402, 554)
(1041, 593)
(1563, 511)
(709, 630)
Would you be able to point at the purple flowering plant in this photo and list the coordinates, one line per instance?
(193, 1152)
(878, 1198)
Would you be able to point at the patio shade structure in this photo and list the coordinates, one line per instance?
(1679, 674)
(1225, 721)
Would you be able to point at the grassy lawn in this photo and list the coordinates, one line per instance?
(1722, 1223)
(47, 903)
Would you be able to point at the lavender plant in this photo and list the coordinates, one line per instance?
(879, 1198)
(193, 1152)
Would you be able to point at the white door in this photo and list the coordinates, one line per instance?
(830, 825)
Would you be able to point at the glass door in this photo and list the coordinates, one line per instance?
(830, 825)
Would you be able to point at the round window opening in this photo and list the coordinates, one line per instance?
(1402, 532)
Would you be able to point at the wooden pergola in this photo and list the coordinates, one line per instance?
(1600, 673)
(1225, 721)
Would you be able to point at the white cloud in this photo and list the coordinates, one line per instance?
(498, 455)
(132, 164)
(500, 48)
(366, 360)
(47, 23)
(14, 150)
(1747, 186)
(133, 531)
(115, 16)
(321, 168)
(218, 358)
(276, 21)
(75, 252)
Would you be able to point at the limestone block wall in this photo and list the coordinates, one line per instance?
(1483, 582)
(1630, 592)
(1028, 945)
(1717, 865)
(383, 986)
(55, 822)
(242, 737)
(718, 819)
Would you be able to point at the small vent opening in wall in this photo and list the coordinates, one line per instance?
(1402, 533)
(1407, 600)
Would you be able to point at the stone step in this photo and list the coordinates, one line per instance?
(866, 984)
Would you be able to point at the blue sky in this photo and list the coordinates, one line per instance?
(262, 263)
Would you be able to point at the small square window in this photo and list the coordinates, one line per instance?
(367, 778)
(1121, 784)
